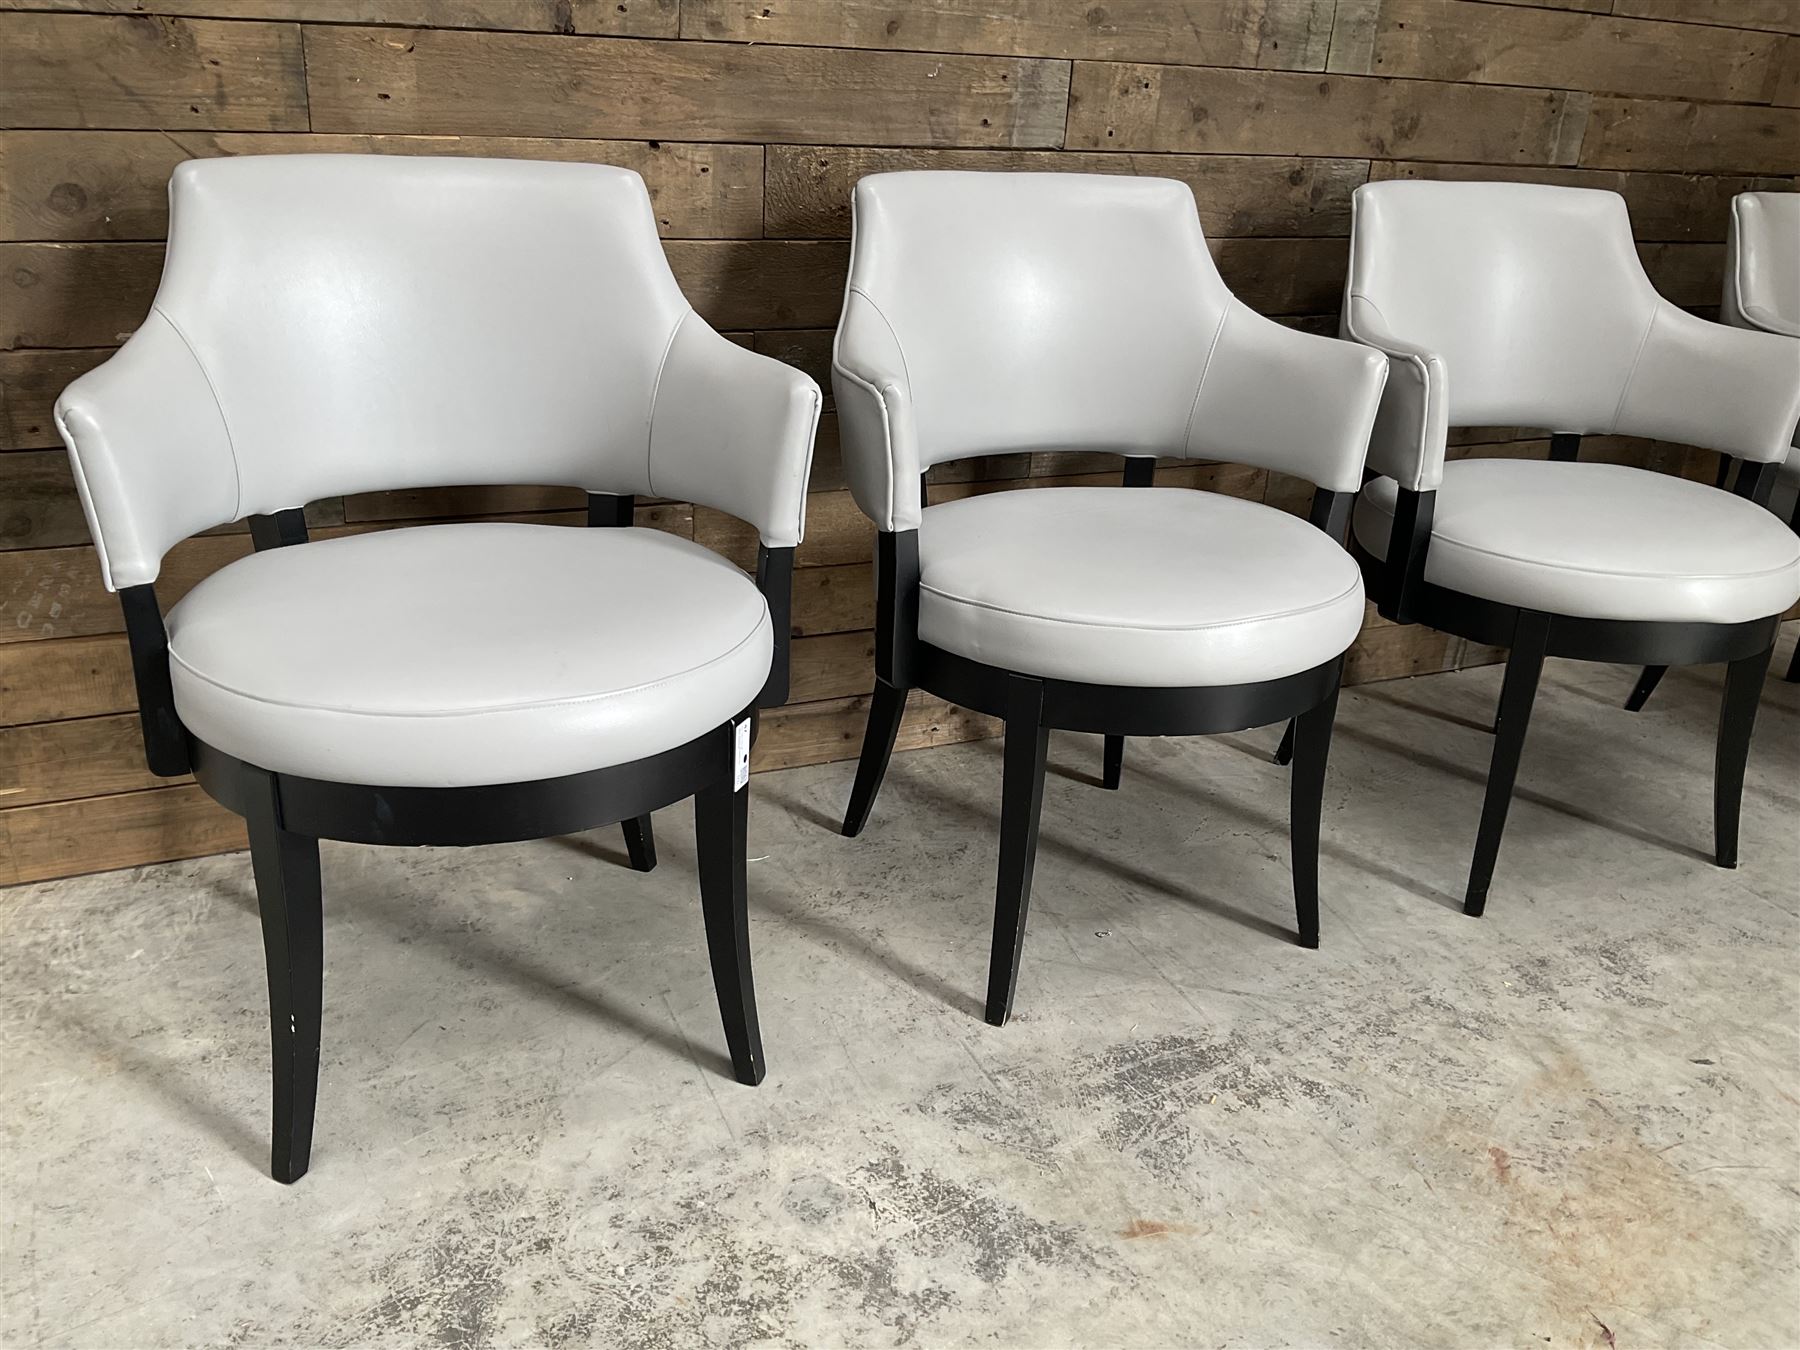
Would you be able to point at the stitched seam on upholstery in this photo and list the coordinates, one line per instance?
(887, 427)
(1187, 435)
(237, 471)
(81, 483)
(478, 711)
(1636, 361)
(1354, 588)
(1413, 359)
(656, 393)
(1613, 571)
(906, 372)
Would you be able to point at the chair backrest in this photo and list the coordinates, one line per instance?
(1042, 310)
(1533, 296)
(370, 322)
(1762, 263)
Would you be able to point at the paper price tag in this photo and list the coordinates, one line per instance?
(740, 773)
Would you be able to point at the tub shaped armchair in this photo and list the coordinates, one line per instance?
(992, 313)
(343, 324)
(1525, 305)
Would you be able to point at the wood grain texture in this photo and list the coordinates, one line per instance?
(1205, 111)
(29, 384)
(450, 82)
(1691, 137)
(74, 677)
(87, 185)
(81, 70)
(1773, 16)
(1475, 42)
(75, 295)
(1276, 34)
(617, 18)
(64, 839)
(68, 760)
(1274, 195)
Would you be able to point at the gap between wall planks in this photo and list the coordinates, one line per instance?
(750, 120)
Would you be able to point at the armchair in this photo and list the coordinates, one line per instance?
(992, 313)
(332, 324)
(1523, 304)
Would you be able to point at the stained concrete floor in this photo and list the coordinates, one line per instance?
(1569, 1123)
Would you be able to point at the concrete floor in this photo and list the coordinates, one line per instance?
(1575, 1120)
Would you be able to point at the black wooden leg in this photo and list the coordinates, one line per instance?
(1113, 765)
(288, 895)
(721, 823)
(1646, 686)
(640, 843)
(1737, 717)
(886, 708)
(1311, 734)
(1793, 670)
(1021, 801)
(1284, 753)
(1524, 664)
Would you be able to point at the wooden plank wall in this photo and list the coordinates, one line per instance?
(750, 119)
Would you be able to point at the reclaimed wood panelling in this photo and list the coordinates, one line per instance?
(750, 121)
(1244, 112)
(426, 80)
(1691, 137)
(616, 18)
(1474, 42)
(1274, 34)
(81, 70)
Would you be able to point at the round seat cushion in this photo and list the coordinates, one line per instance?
(1597, 541)
(451, 655)
(1145, 587)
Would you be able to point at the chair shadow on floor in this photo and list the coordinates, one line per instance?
(148, 1072)
(490, 954)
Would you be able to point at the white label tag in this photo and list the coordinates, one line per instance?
(740, 773)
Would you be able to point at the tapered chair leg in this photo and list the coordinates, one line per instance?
(289, 899)
(1793, 670)
(1311, 734)
(1737, 718)
(886, 707)
(1646, 686)
(721, 823)
(1112, 768)
(640, 843)
(1284, 753)
(1524, 664)
(1021, 803)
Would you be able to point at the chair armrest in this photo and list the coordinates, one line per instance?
(1407, 443)
(1734, 390)
(1286, 400)
(733, 430)
(150, 451)
(875, 416)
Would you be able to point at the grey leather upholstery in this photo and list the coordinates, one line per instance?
(348, 323)
(1527, 305)
(997, 312)
(1762, 290)
(1597, 541)
(331, 324)
(1157, 586)
(446, 655)
(1518, 304)
(992, 312)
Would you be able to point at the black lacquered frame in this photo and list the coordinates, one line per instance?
(287, 815)
(1401, 593)
(1032, 706)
